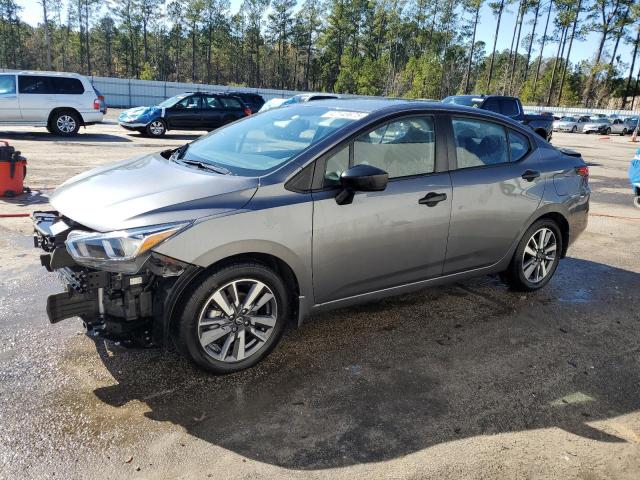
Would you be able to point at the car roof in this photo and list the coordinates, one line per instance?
(392, 105)
(49, 74)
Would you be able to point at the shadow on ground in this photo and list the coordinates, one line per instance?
(81, 137)
(388, 379)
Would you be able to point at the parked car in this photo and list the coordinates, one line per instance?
(61, 102)
(308, 97)
(508, 106)
(624, 126)
(188, 111)
(570, 124)
(251, 100)
(598, 125)
(222, 242)
(273, 103)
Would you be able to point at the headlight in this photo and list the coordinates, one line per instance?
(120, 251)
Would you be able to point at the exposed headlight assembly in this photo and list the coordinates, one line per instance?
(123, 251)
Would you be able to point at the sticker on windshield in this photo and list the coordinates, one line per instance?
(344, 115)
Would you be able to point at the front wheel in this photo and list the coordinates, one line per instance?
(234, 317)
(574, 129)
(607, 131)
(536, 258)
(156, 128)
(624, 132)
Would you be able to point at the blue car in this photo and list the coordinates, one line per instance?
(188, 111)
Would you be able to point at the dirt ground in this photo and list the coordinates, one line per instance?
(467, 381)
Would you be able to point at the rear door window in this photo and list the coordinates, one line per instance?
(32, 84)
(479, 143)
(66, 86)
(230, 102)
(211, 101)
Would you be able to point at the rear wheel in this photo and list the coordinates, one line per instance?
(64, 123)
(234, 317)
(536, 258)
(624, 132)
(156, 128)
(607, 131)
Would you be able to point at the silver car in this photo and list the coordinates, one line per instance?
(623, 126)
(570, 124)
(220, 244)
(597, 125)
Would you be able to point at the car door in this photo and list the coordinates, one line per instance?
(388, 238)
(233, 109)
(36, 97)
(186, 114)
(497, 186)
(211, 111)
(9, 105)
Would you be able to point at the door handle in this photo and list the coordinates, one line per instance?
(431, 199)
(530, 175)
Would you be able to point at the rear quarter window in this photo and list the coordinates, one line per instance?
(67, 86)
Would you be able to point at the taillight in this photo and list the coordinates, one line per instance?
(247, 111)
(96, 104)
(583, 171)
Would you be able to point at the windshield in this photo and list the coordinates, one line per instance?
(567, 119)
(263, 142)
(465, 101)
(170, 102)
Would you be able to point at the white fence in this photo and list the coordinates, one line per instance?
(126, 93)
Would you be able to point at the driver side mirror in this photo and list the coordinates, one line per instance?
(361, 178)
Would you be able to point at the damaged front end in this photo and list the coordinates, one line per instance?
(114, 282)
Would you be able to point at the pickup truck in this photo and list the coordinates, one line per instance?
(508, 106)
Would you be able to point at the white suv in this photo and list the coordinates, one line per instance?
(62, 102)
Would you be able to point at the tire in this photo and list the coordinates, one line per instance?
(156, 128)
(223, 338)
(636, 202)
(519, 275)
(607, 131)
(574, 129)
(624, 132)
(65, 123)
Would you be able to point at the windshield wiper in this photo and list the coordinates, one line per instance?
(206, 166)
(178, 153)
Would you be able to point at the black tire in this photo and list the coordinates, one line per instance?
(624, 132)
(514, 276)
(64, 123)
(156, 128)
(607, 131)
(187, 338)
(574, 129)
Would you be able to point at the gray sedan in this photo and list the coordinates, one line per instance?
(623, 126)
(597, 125)
(570, 124)
(220, 244)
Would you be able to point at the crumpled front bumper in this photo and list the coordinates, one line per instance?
(131, 309)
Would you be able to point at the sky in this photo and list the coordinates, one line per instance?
(32, 13)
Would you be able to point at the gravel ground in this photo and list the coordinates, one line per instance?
(464, 381)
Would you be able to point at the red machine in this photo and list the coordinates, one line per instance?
(13, 169)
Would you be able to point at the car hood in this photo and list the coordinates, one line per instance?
(138, 112)
(149, 190)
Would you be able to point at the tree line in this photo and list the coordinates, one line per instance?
(404, 48)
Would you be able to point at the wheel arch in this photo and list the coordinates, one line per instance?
(563, 224)
(280, 266)
(64, 109)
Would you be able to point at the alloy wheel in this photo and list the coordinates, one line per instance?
(66, 123)
(237, 320)
(156, 128)
(539, 255)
